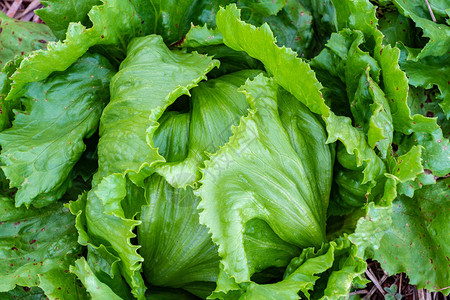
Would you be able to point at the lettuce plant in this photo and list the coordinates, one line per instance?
(223, 149)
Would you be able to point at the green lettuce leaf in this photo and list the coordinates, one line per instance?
(172, 19)
(378, 217)
(105, 209)
(216, 107)
(324, 273)
(343, 268)
(292, 27)
(230, 60)
(199, 36)
(372, 112)
(323, 24)
(205, 11)
(209, 41)
(158, 293)
(46, 140)
(420, 8)
(20, 37)
(427, 72)
(262, 8)
(177, 250)
(236, 167)
(172, 135)
(106, 268)
(58, 15)
(95, 287)
(135, 105)
(329, 66)
(265, 251)
(7, 107)
(396, 27)
(419, 233)
(37, 246)
(438, 34)
(110, 28)
(261, 45)
(24, 293)
(360, 15)
(436, 152)
(348, 191)
(264, 48)
(103, 264)
(396, 90)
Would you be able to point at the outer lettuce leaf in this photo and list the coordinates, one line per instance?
(292, 27)
(381, 129)
(396, 27)
(95, 287)
(106, 268)
(265, 252)
(105, 212)
(58, 15)
(172, 135)
(357, 62)
(139, 96)
(419, 233)
(420, 8)
(199, 36)
(324, 21)
(21, 37)
(328, 272)
(24, 293)
(370, 229)
(436, 152)
(265, 249)
(427, 72)
(172, 19)
(46, 140)
(158, 293)
(115, 23)
(262, 8)
(236, 167)
(230, 60)
(360, 15)
(7, 107)
(216, 107)
(176, 248)
(103, 264)
(343, 267)
(396, 90)
(426, 102)
(261, 45)
(378, 218)
(37, 246)
(347, 192)
(439, 34)
(370, 109)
